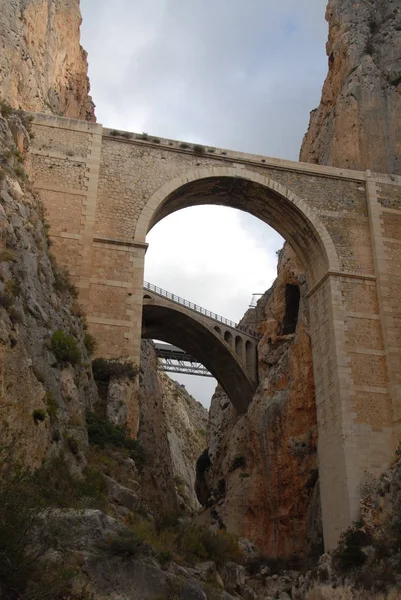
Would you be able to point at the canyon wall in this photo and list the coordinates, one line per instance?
(357, 124)
(262, 482)
(42, 64)
(172, 428)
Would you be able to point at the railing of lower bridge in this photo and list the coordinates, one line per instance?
(199, 309)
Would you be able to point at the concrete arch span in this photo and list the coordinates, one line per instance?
(177, 327)
(248, 191)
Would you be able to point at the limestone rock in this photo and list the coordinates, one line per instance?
(123, 497)
(42, 64)
(32, 381)
(122, 407)
(178, 422)
(186, 421)
(233, 576)
(107, 571)
(262, 480)
(357, 123)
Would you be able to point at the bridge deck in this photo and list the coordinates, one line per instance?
(199, 309)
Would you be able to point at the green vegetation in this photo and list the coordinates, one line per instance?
(59, 488)
(65, 348)
(349, 551)
(20, 171)
(182, 542)
(39, 415)
(127, 544)
(103, 369)
(6, 109)
(103, 433)
(7, 256)
(62, 281)
(12, 288)
(51, 406)
(24, 499)
(90, 343)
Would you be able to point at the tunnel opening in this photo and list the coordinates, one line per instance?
(292, 297)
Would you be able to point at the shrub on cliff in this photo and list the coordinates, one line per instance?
(350, 552)
(102, 433)
(25, 498)
(65, 348)
(103, 368)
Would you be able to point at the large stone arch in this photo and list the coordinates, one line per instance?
(260, 196)
(299, 224)
(176, 326)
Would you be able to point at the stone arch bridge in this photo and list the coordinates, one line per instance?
(103, 191)
(228, 350)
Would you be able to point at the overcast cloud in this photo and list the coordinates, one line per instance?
(239, 74)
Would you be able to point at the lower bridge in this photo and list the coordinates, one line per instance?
(175, 360)
(227, 350)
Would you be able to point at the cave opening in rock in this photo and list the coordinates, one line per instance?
(292, 295)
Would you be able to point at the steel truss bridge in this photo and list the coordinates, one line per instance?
(175, 360)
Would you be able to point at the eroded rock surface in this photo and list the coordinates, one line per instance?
(357, 123)
(42, 64)
(43, 400)
(262, 482)
(172, 430)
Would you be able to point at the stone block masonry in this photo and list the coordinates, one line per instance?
(104, 190)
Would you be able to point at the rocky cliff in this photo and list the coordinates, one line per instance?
(262, 478)
(42, 64)
(357, 124)
(172, 427)
(43, 396)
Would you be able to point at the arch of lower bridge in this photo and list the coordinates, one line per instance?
(246, 190)
(177, 327)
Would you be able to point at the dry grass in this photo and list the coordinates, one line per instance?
(327, 592)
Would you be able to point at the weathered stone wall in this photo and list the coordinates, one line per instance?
(357, 124)
(42, 65)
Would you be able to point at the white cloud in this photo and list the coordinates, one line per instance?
(230, 73)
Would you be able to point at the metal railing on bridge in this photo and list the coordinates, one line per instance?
(199, 309)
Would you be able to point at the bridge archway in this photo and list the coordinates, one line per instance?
(205, 344)
(248, 191)
(300, 225)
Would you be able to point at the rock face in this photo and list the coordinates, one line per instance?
(42, 399)
(42, 64)
(186, 422)
(172, 431)
(357, 124)
(262, 482)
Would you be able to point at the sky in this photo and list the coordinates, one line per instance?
(237, 74)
